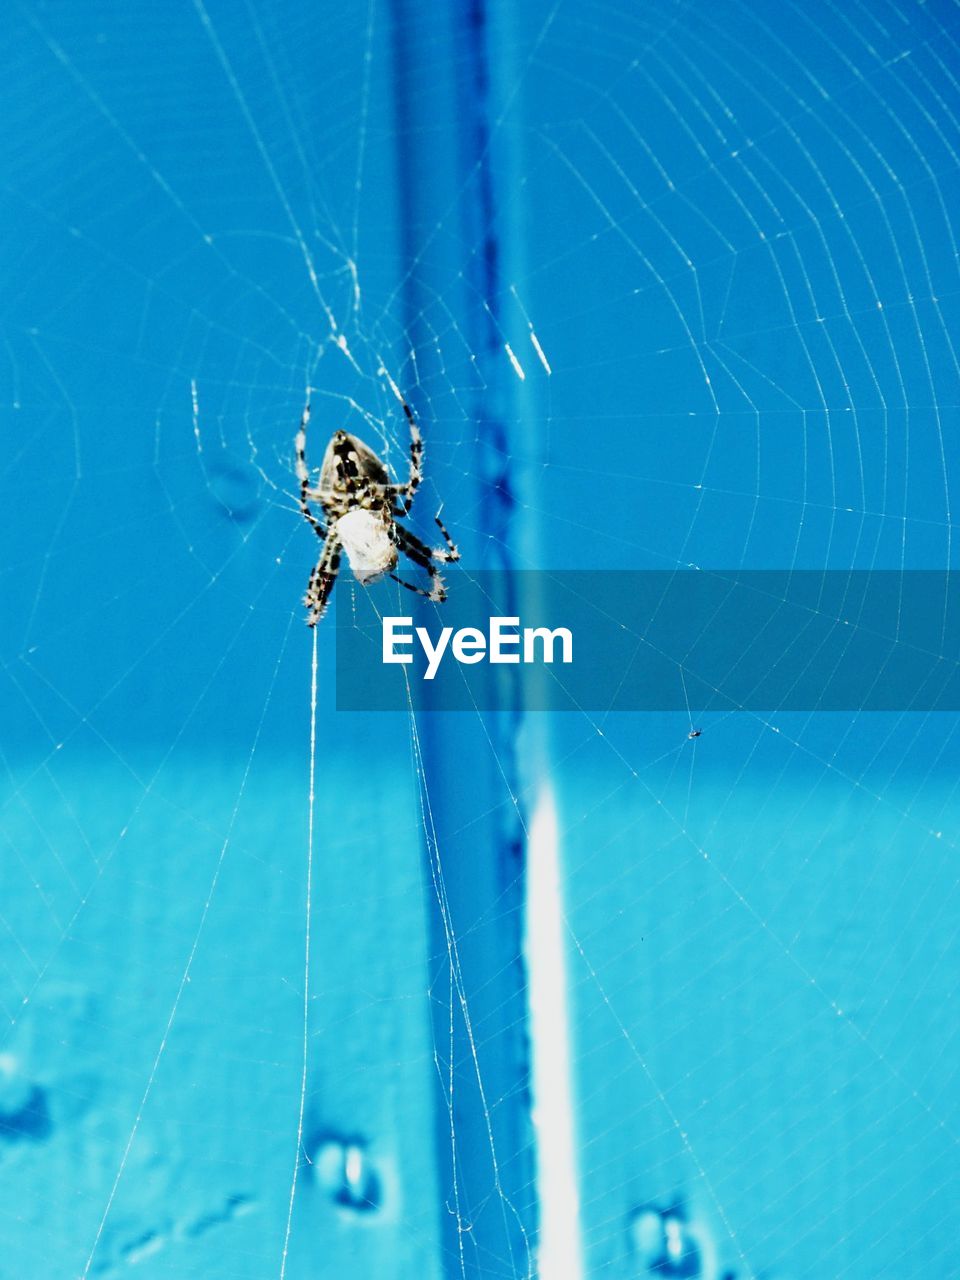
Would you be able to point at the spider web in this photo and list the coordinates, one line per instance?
(292, 992)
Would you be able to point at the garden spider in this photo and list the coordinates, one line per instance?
(362, 507)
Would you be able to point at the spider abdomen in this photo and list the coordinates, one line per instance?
(365, 536)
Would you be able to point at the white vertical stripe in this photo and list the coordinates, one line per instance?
(560, 1253)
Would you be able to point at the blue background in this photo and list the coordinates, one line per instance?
(731, 228)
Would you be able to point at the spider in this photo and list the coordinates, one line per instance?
(362, 508)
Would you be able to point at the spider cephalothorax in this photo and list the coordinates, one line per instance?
(362, 506)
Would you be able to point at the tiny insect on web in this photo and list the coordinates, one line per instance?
(361, 507)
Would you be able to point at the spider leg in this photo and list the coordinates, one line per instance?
(420, 553)
(403, 493)
(322, 578)
(427, 558)
(452, 552)
(303, 474)
(437, 592)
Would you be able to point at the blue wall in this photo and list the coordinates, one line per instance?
(730, 229)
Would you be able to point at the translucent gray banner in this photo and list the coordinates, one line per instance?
(698, 640)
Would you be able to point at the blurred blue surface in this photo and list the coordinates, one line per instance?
(731, 231)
